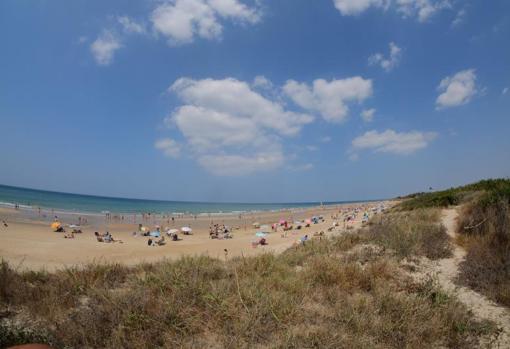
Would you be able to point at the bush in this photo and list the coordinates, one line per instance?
(411, 233)
(484, 227)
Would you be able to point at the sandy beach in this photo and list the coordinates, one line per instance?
(29, 242)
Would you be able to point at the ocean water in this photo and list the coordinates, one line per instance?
(32, 198)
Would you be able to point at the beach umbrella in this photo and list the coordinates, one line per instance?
(261, 234)
(256, 225)
(308, 221)
(172, 231)
(282, 221)
(55, 225)
(186, 229)
(144, 229)
(155, 234)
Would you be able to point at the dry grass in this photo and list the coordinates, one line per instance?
(484, 227)
(331, 293)
(412, 233)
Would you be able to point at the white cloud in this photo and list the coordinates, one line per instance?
(312, 147)
(387, 63)
(421, 9)
(104, 47)
(355, 7)
(130, 26)
(368, 115)
(325, 139)
(262, 82)
(329, 98)
(505, 90)
(169, 147)
(457, 90)
(232, 129)
(459, 18)
(183, 20)
(240, 165)
(390, 141)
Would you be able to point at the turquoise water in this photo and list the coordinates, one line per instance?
(32, 198)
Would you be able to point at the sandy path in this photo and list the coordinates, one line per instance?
(482, 308)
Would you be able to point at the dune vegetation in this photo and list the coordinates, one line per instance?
(346, 291)
(483, 230)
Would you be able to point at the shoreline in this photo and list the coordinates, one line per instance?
(31, 244)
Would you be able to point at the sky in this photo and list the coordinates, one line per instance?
(253, 100)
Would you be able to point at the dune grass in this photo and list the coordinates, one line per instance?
(484, 230)
(331, 293)
(456, 196)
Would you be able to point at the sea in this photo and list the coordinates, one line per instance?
(26, 198)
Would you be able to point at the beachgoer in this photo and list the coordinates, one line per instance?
(5, 223)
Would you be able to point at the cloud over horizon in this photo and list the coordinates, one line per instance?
(230, 128)
(390, 141)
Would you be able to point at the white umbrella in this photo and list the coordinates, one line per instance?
(172, 231)
(186, 229)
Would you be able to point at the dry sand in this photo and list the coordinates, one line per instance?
(29, 243)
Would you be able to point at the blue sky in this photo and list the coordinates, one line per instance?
(253, 101)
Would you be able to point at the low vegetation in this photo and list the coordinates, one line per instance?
(483, 230)
(455, 196)
(345, 292)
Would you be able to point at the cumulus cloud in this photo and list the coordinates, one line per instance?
(104, 47)
(368, 115)
(387, 63)
(169, 147)
(423, 10)
(355, 7)
(130, 26)
(230, 128)
(457, 90)
(389, 141)
(262, 82)
(329, 99)
(180, 21)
